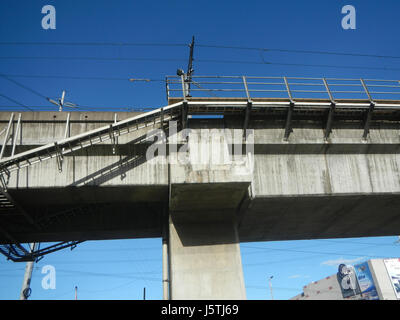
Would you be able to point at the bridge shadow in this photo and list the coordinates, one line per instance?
(120, 167)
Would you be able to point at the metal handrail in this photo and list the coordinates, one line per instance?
(330, 88)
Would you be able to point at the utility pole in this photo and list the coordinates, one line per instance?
(165, 258)
(270, 287)
(190, 69)
(187, 77)
(144, 293)
(26, 284)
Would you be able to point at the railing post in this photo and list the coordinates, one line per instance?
(288, 126)
(3, 147)
(167, 88)
(246, 88)
(328, 90)
(248, 108)
(16, 135)
(369, 112)
(366, 90)
(184, 93)
(329, 122)
(288, 90)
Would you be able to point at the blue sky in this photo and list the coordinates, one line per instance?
(120, 269)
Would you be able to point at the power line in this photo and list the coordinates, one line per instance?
(36, 76)
(300, 51)
(15, 101)
(298, 64)
(105, 261)
(355, 242)
(316, 252)
(204, 61)
(24, 86)
(112, 44)
(80, 108)
(91, 58)
(143, 44)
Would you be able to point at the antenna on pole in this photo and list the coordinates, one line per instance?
(61, 102)
(188, 75)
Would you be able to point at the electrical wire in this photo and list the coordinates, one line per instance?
(15, 101)
(24, 86)
(299, 51)
(316, 252)
(207, 61)
(112, 44)
(64, 77)
(200, 45)
(91, 58)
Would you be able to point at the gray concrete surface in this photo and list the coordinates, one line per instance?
(205, 262)
(303, 188)
(300, 189)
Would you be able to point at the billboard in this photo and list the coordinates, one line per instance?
(347, 281)
(366, 282)
(393, 269)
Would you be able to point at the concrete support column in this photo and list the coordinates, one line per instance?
(205, 261)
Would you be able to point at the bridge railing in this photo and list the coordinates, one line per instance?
(282, 87)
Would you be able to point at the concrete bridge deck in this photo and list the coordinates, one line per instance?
(303, 188)
(301, 180)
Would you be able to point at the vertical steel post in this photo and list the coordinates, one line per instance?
(165, 257)
(248, 108)
(3, 147)
(288, 126)
(270, 287)
(184, 89)
(369, 112)
(26, 284)
(329, 122)
(16, 135)
(167, 88)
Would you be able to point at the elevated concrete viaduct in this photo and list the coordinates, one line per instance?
(299, 175)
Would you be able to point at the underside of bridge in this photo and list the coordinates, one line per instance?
(307, 169)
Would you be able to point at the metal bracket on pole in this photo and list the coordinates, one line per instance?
(329, 122)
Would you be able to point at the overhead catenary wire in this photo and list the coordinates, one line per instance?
(200, 45)
(116, 59)
(15, 101)
(316, 252)
(24, 86)
(67, 77)
(70, 43)
(299, 51)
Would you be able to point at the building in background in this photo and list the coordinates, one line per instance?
(375, 279)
